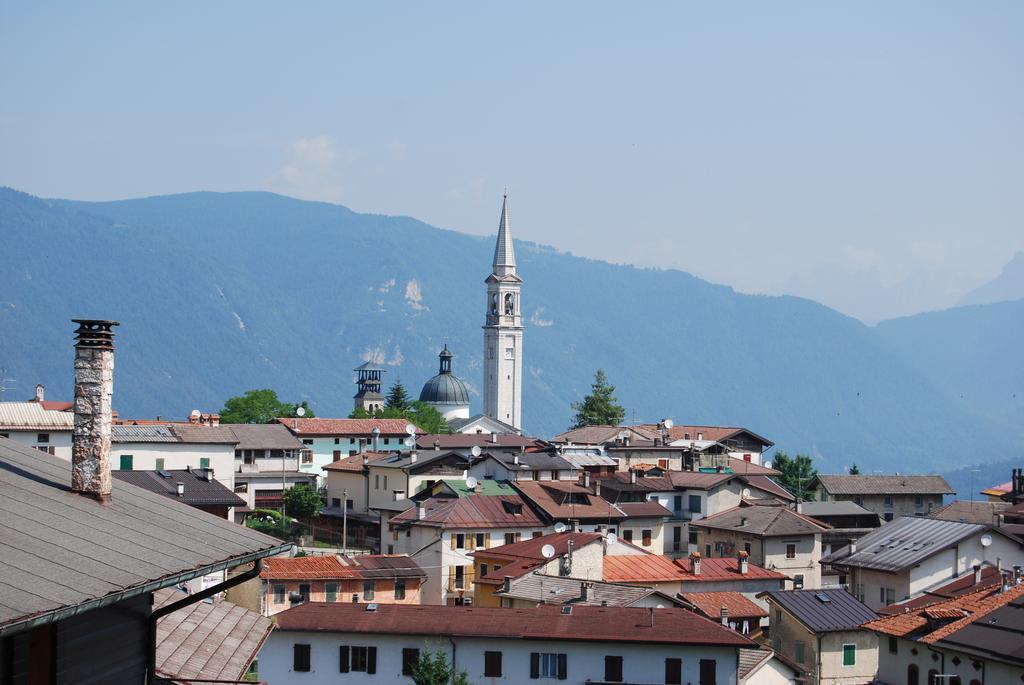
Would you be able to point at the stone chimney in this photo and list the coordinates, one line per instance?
(94, 386)
(852, 545)
(695, 563)
(180, 488)
(632, 476)
(742, 562)
(494, 438)
(723, 613)
(421, 511)
(977, 574)
(584, 591)
(412, 457)
(597, 488)
(40, 393)
(586, 479)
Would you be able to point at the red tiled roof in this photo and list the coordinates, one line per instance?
(961, 586)
(655, 568)
(388, 427)
(354, 462)
(971, 607)
(532, 548)
(475, 511)
(512, 569)
(330, 566)
(584, 623)
(554, 498)
(52, 405)
(710, 604)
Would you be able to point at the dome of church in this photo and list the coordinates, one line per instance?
(445, 388)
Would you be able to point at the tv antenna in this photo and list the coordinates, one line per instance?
(4, 380)
(547, 551)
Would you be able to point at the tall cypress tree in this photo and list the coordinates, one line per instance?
(600, 407)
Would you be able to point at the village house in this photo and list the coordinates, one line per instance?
(328, 440)
(732, 609)
(982, 577)
(194, 487)
(985, 513)
(333, 578)
(819, 630)
(494, 442)
(40, 423)
(174, 447)
(774, 536)
(516, 466)
(267, 459)
(847, 521)
(441, 533)
(534, 588)
(888, 496)
(578, 644)
(912, 555)
(971, 639)
(83, 553)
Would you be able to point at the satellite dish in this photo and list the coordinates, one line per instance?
(410, 429)
(476, 451)
(746, 493)
(300, 411)
(195, 414)
(669, 423)
(548, 551)
(471, 482)
(560, 527)
(612, 538)
(986, 540)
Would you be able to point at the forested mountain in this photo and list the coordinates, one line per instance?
(219, 293)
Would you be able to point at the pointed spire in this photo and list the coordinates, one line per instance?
(504, 254)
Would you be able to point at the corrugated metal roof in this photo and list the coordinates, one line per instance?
(222, 435)
(32, 416)
(902, 543)
(580, 460)
(129, 433)
(207, 640)
(834, 508)
(823, 611)
(59, 549)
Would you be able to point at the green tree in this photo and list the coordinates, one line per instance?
(797, 474)
(397, 397)
(259, 406)
(265, 521)
(854, 471)
(600, 407)
(420, 414)
(432, 668)
(302, 501)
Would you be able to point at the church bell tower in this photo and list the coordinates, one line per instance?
(503, 332)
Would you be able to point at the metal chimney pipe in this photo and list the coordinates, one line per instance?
(94, 387)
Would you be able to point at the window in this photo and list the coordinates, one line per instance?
(410, 655)
(798, 581)
(376, 482)
(677, 538)
(548, 666)
(708, 672)
(778, 616)
(746, 547)
(351, 441)
(300, 657)
(479, 540)
(460, 541)
(483, 570)
(510, 538)
(919, 502)
(888, 500)
(613, 669)
(694, 504)
(400, 588)
(536, 534)
(860, 592)
(460, 577)
(677, 503)
(337, 441)
(159, 464)
(894, 645)
(887, 595)
(645, 536)
(304, 591)
(369, 588)
(364, 659)
(888, 516)
(385, 482)
(798, 651)
(790, 550)
(627, 535)
(859, 501)
(510, 353)
(43, 437)
(331, 592)
(307, 456)
(349, 504)
(673, 672)
(849, 655)
(204, 462)
(387, 441)
(912, 674)
(279, 594)
(693, 536)
(336, 502)
(492, 664)
(126, 462)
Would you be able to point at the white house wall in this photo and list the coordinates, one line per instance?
(177, 456)
(60, 441)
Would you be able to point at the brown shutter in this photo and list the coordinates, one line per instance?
(451, 578)
(487, 541)
(453, 540)
(371, 660)
(343, 659)
(563, 667)
(535, 665)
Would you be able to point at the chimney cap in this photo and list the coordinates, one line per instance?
(95, 333)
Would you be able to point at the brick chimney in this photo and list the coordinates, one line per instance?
(94, 386)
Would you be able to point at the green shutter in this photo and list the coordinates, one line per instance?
(126, 462)
(849, 655)
(204, 462)
(160, 464)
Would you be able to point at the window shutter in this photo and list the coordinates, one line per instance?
(371, 659)
(535, 665)
(453, 540)
(451, 578)
(563, 666)
(488, 541)
(343, 659)
(470, 574)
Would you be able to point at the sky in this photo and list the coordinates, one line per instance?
(867, 155)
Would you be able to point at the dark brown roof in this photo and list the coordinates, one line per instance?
(765, 521)
(198, 491)
(843, 484)
(532, 548)
(561, 499)
(643, 509)
(354, 462)
(477, 511)
(972, 512)
(207, 640)
(583, 623)
(264, 436)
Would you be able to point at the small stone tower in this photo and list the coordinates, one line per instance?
(368, 379)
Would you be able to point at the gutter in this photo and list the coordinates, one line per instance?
(152, 586)
(154, 616)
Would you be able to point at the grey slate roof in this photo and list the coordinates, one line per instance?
(205, 434)
(844, 484)
(841, 612)
(266, 436)
(60, 550)
(561, 590)
(129, 433)
(198, 490)
(835, 508)
(903, 543)
(997, 635)
(766, 521)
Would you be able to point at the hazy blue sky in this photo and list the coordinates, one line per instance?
(870, 155)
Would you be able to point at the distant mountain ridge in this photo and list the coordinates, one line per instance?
(1008, 285)
(219, 293)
